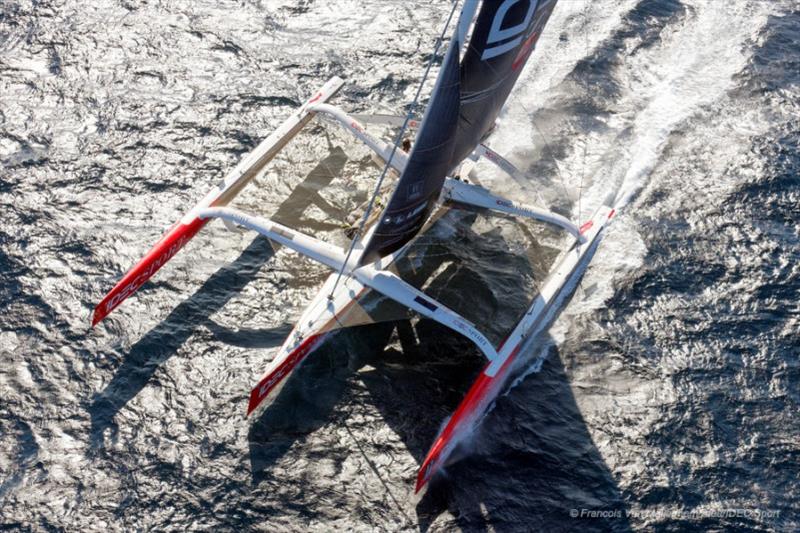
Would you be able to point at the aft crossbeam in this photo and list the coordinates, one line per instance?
(459, 191)
(390, 285)
(383, 281)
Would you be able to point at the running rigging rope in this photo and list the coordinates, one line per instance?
(398, 141)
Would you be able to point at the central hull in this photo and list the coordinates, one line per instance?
(336, 305)
(321, 318)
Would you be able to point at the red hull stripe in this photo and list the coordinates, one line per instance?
(472, 406)
(525, 50)
(269, 381)
(164, 250)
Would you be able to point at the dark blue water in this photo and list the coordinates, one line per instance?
(663, 398)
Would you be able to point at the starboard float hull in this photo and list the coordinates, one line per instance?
(492, 380)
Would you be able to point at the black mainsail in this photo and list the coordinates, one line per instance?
(469, 94)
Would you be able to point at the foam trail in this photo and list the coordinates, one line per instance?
(586, 25)
(662, 86)
(694, 67)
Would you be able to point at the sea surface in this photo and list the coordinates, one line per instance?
(663, 397)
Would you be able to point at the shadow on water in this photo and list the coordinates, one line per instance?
(531, 463)
(533, 459)
(164, 340)
(161, 342)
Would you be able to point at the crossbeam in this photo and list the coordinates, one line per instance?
(352, 125)
(383, 281)
(465, 193)
(502, 163)
(390, 285)
(386, 120)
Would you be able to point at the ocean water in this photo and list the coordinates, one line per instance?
(664, 396)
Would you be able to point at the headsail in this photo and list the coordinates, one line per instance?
(503, 37)
(467, 98)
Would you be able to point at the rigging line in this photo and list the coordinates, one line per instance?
(397, 143)
(374, 468)
(580, 187)
(583, 176)
(586, 141)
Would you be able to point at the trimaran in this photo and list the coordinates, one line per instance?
(486, 54)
